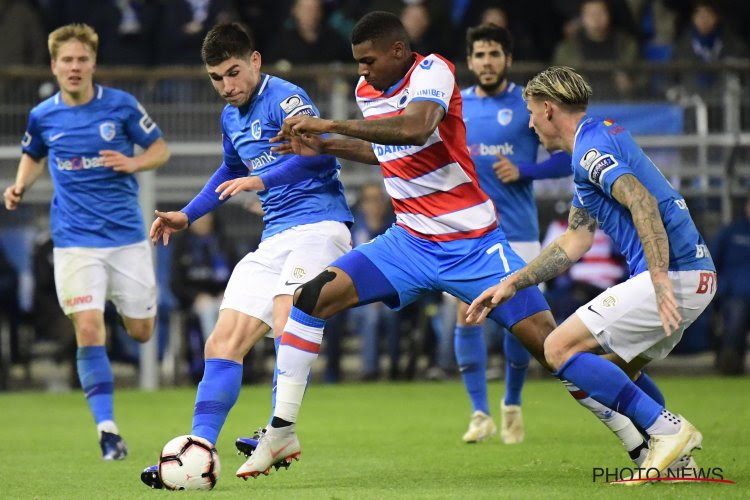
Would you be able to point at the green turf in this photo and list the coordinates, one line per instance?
(369, 441)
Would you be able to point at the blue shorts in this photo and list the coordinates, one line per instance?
(398, 268)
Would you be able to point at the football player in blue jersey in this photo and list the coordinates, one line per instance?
(504, 151)
(306, 222)
(86, 134)
(672, 281)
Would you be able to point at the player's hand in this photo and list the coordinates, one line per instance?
(118, 161)
(303, 145)
(234, 186)
(296, 125)
(166, 224)
(505, 170)
(666, 303)
(488, 300)
(12, 196)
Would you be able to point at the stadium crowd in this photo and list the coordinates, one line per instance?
(298, 32)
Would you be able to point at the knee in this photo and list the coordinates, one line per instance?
(228, 344)
(307, 298)
(554, 353)
(89, 334)
(141, 330)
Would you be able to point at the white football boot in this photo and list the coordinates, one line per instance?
(276, 448)
(664, 450)
(511, 424)
(481, 427)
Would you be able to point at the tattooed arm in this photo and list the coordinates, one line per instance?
(644, 210)
(554, 260)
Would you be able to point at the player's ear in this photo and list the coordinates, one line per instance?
(398, 49)
(255, 59)
(548, 110)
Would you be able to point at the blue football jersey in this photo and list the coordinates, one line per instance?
(247, 130)
(500, 124)
(603, 151)
(92, 205)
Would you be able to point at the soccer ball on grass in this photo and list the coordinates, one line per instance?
(189, 463)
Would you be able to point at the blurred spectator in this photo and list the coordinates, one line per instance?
(731, 254)
(599, 41)
(306, 38)
(523, 47)
(707, 39)
(136, 33)
(657, 23)
(201, 265)
(600, 268)
(23, 34)
(417, 21)
(184, 23)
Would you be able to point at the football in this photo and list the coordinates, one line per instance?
(189, 463)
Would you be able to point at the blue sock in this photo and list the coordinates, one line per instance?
(516, 365)
(471, 355)
(607, 383)
(648, 386)
(97, 381)
(217, 393)
(276, 344)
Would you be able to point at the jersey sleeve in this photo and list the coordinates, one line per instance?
(32, 143)
(142, 130)
(232, 159)
(602, 161)
(291, 103)
(433, 81)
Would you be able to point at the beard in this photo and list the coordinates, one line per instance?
(491, 88)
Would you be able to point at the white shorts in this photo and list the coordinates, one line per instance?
(281, 264)
(86, 277)
(625, 321)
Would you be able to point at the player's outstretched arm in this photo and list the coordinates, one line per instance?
(644, 210)
(309, 145)
(153, 157)
(28, 172)
(413, 127)
(554, 260)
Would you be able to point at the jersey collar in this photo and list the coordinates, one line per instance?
(585, 119)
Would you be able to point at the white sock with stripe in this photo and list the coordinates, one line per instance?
(300, 345)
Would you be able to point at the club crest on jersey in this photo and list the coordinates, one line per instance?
(504, 116)
(426, 64)
(404, 97)
(589, 157)
(255, 129)
(107, 130)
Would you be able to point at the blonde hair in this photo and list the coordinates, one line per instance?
(562, 85)
(78, 31)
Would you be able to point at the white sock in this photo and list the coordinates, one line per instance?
(107, 426)
(299, 348)
(618, 423)
(666, 423)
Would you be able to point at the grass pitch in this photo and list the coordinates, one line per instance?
(370, 441)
